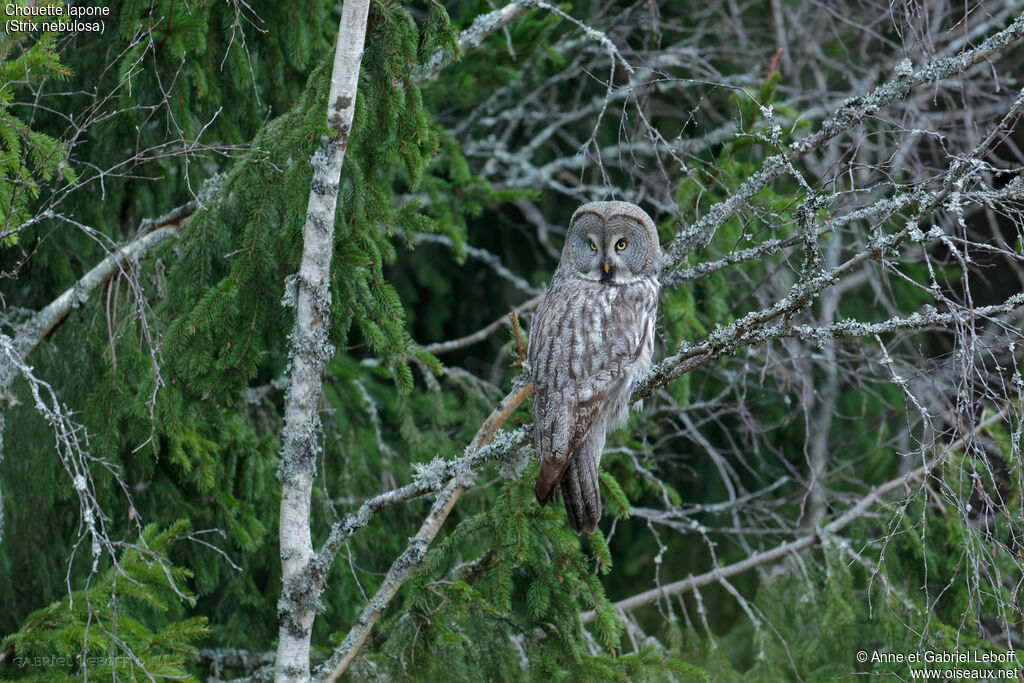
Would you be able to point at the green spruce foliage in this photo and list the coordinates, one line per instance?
(175, 369)
(29, 158)
(118, 626)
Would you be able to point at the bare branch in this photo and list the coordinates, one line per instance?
(43, 322)
(862, 507)
(849, 114)
(484, 332)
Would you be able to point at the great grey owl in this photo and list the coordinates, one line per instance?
(591, 340)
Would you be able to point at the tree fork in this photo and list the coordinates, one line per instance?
(406, 563)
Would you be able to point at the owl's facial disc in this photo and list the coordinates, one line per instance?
(608, 249)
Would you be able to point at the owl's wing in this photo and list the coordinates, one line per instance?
(553, 463)
(580, 346)
(580, 484)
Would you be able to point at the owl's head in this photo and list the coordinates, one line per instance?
(612, 242)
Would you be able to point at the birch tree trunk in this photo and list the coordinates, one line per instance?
(309, 291)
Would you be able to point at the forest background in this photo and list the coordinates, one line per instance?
(826, 469)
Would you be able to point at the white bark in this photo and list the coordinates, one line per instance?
(309, 292)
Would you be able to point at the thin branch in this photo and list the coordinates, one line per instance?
(849, 114)
(829, 530)
(30, 333)
(481, 28)
(483, 255)
(484, 332)
(42, 323)
(750, 329)
(927, 317)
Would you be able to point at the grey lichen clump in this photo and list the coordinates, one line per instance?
(291, 291)
(502, 444)
(513, 463)
(212, 191)
(434, 474)
(504, 448)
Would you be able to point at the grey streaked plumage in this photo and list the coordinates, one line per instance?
(591, 340)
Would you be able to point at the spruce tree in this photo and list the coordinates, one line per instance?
(827, 458)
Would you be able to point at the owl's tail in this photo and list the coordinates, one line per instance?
(581, 494)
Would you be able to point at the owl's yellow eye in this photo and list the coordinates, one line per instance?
(593, 245)
(620, 245)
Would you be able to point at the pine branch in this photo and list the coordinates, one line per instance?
(407, 562)
(309, 291)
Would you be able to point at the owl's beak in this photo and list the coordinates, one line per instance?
(605, 267)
